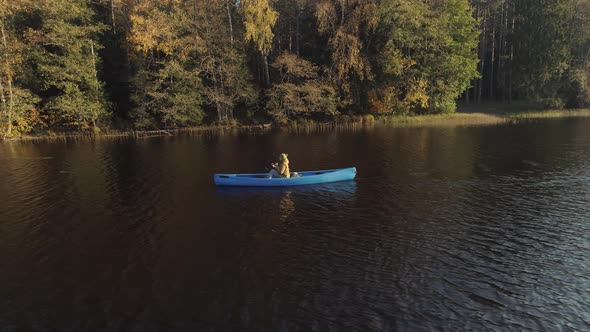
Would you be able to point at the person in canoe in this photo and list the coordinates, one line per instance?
(280, 169)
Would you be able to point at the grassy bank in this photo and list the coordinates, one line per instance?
(519, 110)
(452, 119)
(550, 114)
(485, 116)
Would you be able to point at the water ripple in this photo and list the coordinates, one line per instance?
(446, 229)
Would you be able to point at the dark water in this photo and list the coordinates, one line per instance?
(481, 228)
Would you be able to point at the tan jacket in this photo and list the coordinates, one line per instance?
(283, 168)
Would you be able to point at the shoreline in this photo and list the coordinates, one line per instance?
(64, 136)
(467, 118)
(476, 115)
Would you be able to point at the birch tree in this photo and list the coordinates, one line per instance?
(259, 21)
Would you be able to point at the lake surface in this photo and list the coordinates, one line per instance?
(445, 228)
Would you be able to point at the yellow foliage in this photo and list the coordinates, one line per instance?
(157, 27)
(347, 56)
(259, 20)
(27, 121)
(391, 100)
(376, 104)
(344, 22)
(386, 101)
(418, 94)
(367, 12)
(8, 7)
(396, 63)
(150, 33)
(326, 16)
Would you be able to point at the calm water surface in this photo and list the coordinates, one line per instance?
(449, 228)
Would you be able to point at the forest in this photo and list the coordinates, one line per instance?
(96, 65)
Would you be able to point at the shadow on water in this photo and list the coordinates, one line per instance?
(336, 188)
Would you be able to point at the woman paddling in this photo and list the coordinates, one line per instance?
(280, 169)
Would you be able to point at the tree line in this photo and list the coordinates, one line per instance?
(535, 50)
(145, 64)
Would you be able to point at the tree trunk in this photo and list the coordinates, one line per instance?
(511, 59)
(265, 70)
(258, 68)
(2, 99)
(231, 27)
(10, 106)
(483, 50)
(502, 51)
(96, 84)
(227, 111)
(219, 115)
(9, 82)
(475, 90)
(492, 60)
(342, 6)
(502, 36)
(113, 22)
(297, 27)
(95, 72)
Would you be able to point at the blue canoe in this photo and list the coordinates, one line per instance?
(262, 180)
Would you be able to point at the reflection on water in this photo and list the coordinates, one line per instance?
(483, 228)
(283, 202)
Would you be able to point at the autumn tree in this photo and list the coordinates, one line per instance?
(174, 63)
(348, 25)
(189, 63)
(224, 71)
(259, 20)
(301, 92)
(168, 89)
(18, 111)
